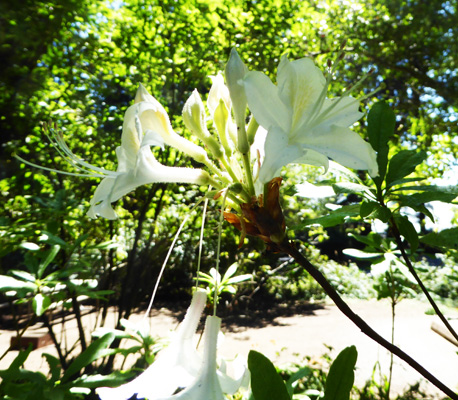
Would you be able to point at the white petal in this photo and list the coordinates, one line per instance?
(154, 118)
(147, 170)
(300, 84)
(206, 386)
(345, 113)
(264, 102)
(218, 91)
(143, 95)
(345, 147)
(312, 157)
(278, 153)
(240, 376)
(176, 366)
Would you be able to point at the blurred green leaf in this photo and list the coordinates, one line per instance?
(341, 376)
(266, 383)
(95, 350)
(403, 164)
(380, 127)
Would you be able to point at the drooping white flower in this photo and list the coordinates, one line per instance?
(180, 367)
(175, 367)
(145, 124)
(303, 125)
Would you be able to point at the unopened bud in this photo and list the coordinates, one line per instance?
(235, 72)
(194, 116)
(236, 188)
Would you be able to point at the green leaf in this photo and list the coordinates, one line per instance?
(341, 375)
(50, 256)
(40, 304)
(96, 349)
(407, 230)
(54, 366)
(403, 164)
(8, 283)
(335, 218)
(367, 208)
(114, 379)
(381, 213)
(416, 199)
(48, 237)
(372, 239)
(266, 382)
(448, 238)
(380, 127)
(350, 187)
(431, 188)
(360, 254)
(301, 373)
(13, 370)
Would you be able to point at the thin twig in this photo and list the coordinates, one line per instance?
(406, 258)
(288, 248)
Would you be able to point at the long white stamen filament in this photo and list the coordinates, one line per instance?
(86, 175)
(161, 272)
(87, 170)
(201, 239)
(218, 250)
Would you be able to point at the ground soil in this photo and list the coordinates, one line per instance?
(303, 333)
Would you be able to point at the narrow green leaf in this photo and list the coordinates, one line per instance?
(96, 349)
(266, 383)
(448, 238)
(403, 164)
(50, 256)
(407, 230)
(381, 213)
(54, 366)
(380, 127)
(114, 379)
(341, 375)
(350, 187)
(335, 218)
(416, 199)
(303, 372)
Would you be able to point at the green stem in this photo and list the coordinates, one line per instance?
(248, 173)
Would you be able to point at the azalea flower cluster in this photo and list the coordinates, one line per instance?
(292, 121)
(180, 372)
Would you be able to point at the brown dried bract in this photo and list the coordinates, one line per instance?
(262, 217)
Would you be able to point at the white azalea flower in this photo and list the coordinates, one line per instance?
(175, 367)
(180, 366)
(303, 126)
(145, 124)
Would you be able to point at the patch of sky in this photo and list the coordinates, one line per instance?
(115, 4)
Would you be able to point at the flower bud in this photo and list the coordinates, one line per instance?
(194, 116)
(235, 72)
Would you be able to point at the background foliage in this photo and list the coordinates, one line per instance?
(79, 63)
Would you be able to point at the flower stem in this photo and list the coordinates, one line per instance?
(218, 250)
(288, 248)
(248, 173)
